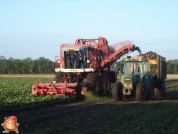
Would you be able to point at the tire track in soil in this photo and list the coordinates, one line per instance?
(35, 115)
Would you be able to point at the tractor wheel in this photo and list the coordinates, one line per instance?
(158, 93)
(58, 77)
(163, 89)
(93, 80)
(117, 91)
(152, 93)
(140, 92)
(158, 89)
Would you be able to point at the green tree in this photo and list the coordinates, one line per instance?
(175, 68)
(170, 67)
(3, 66)
(27, 66)
(17, 66)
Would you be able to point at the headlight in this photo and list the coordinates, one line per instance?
(88, 61)
(58, 61)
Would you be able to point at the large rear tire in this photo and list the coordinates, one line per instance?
(93, 80)
(152, 92)
(163, 89)
(117, 93)
(106, 84)
(78, 90)
(140, 92)
(160, 90)
(58, 77)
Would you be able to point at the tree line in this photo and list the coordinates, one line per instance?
(44, 66)
(25, 66)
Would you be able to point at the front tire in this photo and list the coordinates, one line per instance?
(140, 92)
(117, 93)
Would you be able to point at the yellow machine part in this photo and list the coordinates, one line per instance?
(152, 66)
(158, 66)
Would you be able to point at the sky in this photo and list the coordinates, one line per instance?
(36, 28)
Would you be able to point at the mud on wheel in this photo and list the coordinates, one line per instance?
(78, 94)
(160, 89)
(140, 92)
(93, 81)
(58, 77)
(106, 83)
(117, 91)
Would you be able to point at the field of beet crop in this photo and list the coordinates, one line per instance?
(15, 94)
(158, 116)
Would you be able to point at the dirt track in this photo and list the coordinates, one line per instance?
(32, 116)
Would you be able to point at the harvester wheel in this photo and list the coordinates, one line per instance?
(106, 83)
(117, 91)
(93, 81)
(58, 77)
(140, 92)
(78, 90)
(97, 87)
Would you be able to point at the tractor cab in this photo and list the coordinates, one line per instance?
(135, 71)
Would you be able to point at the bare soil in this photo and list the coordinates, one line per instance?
(172, 76)
(30, 117)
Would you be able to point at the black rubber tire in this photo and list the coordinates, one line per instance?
(97, 88)
(58, 77)
(106, 84)
(140, 92)
(93, 80)
(158, 93)
(78, 94)
(158, 89)
(117, 93)
(163, 89)
(152, 92)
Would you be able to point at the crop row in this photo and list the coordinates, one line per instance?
(15, 94)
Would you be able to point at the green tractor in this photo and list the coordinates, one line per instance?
(142, 78)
